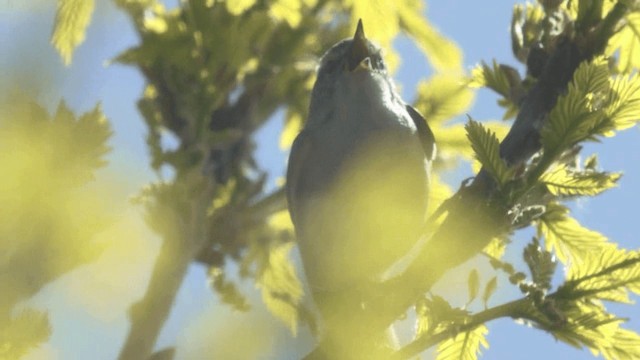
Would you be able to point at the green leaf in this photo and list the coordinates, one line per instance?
(584, 324)
(489, 290)
(287, 10)
(500, 78)
(487, 149)
(473, 284)
(624, 344)
(566, 238)
(237, 7)
(503, 79)
(464, 346)
(623, 109)
(292, 126)
(443, 97)
(72, 19)
(281, 288)
(627, 43)
(526, 28)
(589, 324)
(80, 142)
(575, 114)
(496, 247)
(562, 181)
(541, 264)
(607, 274)
(227, 290)
(23, 332)
(443, 54)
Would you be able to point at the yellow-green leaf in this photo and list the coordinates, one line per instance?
(464, 346)
(443, 97)
(623, 108)
(496, 248)
(72, 19)
(292, 126)
(23, 332)
(281, 288)
(496, 77)
(502, 79)
(563, 235)
(375, 15)
(489, 290)
(280, 221)
(443, 54)
(487, 149)
(624, 344)
(287, 10)
(452, 141)
(576, 114)
(627, 43)
(606, 274)
(562, 181)
(237, 7)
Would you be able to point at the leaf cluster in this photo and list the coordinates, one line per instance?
(49, 215)
(597, 103)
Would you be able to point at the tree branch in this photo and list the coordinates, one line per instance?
(422, 343)
(473, 217)
(179, 248)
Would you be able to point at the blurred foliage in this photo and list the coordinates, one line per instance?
(49, 216)
(217, 71)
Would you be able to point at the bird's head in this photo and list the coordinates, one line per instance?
(352, 55)
(351, 72)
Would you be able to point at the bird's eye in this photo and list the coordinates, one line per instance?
(377, 62)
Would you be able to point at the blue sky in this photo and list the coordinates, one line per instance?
(84, 330)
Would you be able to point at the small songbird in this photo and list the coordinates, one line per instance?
(358, 173)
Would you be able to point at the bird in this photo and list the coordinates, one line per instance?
(358, 174)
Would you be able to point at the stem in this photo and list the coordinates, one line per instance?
(510, 309)
(179, 249)
(150, 313)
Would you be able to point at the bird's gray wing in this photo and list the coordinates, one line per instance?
(295, 172)
(424, 132)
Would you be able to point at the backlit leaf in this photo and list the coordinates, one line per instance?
(541, 264)
(577, 112)
(489, 290)
(487, 149)
(72, 19)
(606, 274)
(23, 332)
(623, 108)
(281, 288)
(287, 10)
(496, 248)
(627, 43)
(464, 346)
(563, 181)
(563, 235)
(237, 7)
(443, 54)
(292, 126)
(443, 97)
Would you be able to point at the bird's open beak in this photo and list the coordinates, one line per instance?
(359, 53)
